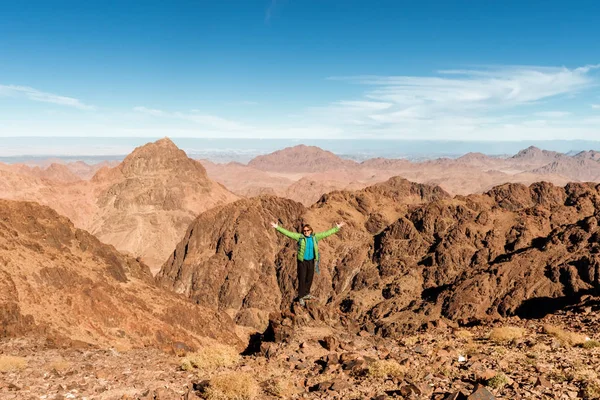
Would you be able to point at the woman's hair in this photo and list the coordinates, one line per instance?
(307, 226)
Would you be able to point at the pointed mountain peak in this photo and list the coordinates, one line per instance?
(531, 150)
(162, 155)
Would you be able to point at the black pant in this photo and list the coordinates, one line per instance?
(306, 271)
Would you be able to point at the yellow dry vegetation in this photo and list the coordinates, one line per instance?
(12, 363)
(386, 369)
(211, 357)
(280, 386)
(59, 366)
(566, 338)
(232, 386)
(463, 334)
(506, 334)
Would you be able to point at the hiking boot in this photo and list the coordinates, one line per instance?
(308, 297)
(301, 301)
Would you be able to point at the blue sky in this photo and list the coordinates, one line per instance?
(465, 70)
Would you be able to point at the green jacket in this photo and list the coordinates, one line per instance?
(302, 242)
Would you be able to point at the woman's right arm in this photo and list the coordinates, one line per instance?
(291, 235)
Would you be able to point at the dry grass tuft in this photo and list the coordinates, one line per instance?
(210, 358)
(386, 369)
(506, 334)
(591, 390)
(566, 338)
(590, 344)
(233, 386)
(279, 387)
(59, 366)
(463, 334)
(11, 363)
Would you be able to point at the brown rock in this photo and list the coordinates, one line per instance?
(330, 343)
(481, 393)
(541, 381)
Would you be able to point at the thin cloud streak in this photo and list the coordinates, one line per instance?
(270, 11)
(464, 104)
(552, 114)
(37, 95)
(196, 117)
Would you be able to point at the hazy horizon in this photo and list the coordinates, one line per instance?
(98, 149)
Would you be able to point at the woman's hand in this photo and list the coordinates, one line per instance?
(339, 225)
(274, 224)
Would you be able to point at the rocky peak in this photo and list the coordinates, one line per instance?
(160, 157)
(533, 153)
(300, 158)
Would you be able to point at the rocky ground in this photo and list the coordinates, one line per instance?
(557, 357)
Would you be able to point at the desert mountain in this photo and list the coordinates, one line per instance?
(57, 170)
(246, 181)
(300, 159)
(304, 173)
(582, 167)
(62, 283)
(146, 203)
(409, 255)
(142, 206)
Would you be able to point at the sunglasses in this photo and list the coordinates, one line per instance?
(306, 230)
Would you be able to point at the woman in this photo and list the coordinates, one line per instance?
(308, 255)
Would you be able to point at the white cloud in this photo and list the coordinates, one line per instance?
(196, 117)
(596, 106)
(464, 104)
(36, 95)
(552, 114)
(149, 111)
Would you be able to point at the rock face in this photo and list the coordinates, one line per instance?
(62, 283)
(232, 259)
(299, 159)
(409, 255)
(515, 250)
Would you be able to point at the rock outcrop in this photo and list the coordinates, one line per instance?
(231, 259)
(63, 284)
(409, 255)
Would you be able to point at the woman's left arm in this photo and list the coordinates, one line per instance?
(335, 229)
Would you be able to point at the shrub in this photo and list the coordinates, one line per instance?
(566, 338)
(59, 366)
(386, 369)
(233, 386)
(498, 381)
(11, 363)
(590, 344)
(210, 358)
(279, 387)
(463, 334)
(506, 334)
